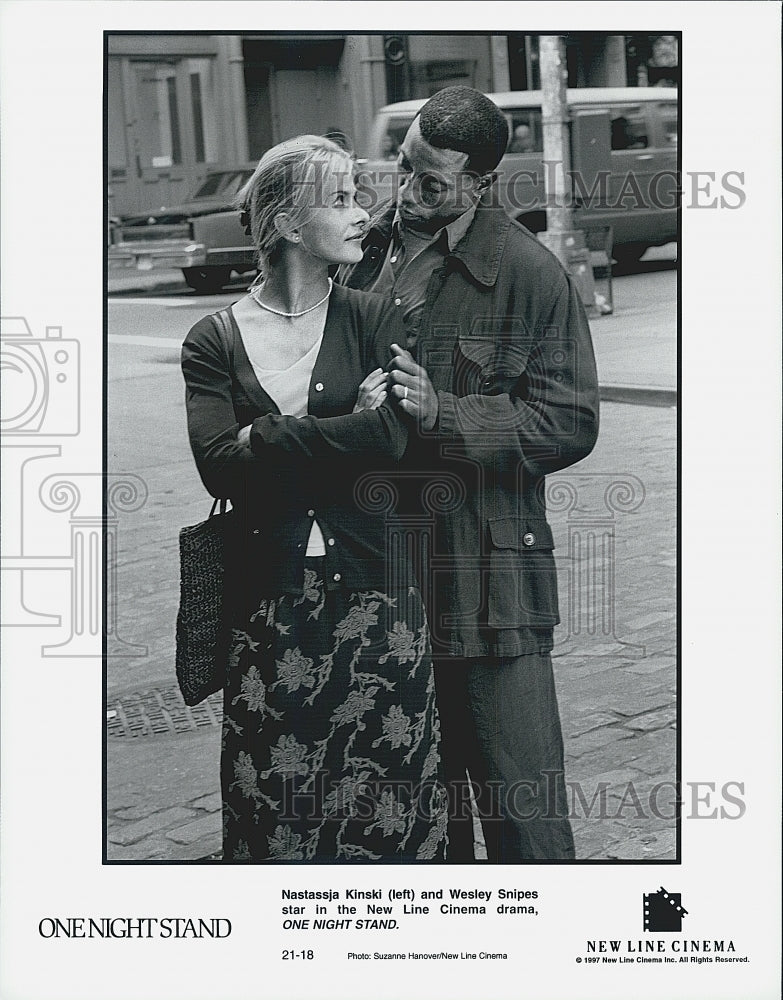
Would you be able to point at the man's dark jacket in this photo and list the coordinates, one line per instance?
(505, 340)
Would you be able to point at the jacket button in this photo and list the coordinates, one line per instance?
(330, 541)
(528, 538)
(319, 387)
(337, 578)
(311, 513)
(255, 531)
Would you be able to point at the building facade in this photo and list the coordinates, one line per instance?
(181, 104)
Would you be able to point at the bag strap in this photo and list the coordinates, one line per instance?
(226, 332)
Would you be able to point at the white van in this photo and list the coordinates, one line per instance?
(636, 192)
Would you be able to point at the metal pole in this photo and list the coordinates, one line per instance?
(235, 64)
(566, 243)
(554, 117)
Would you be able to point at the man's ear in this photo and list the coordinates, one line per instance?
(485, 181)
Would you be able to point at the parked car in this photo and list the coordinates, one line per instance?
(167, 237)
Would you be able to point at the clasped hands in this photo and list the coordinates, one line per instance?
(406, 384)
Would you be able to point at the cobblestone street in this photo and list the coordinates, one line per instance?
(617, 692)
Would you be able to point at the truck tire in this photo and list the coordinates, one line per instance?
(206, 279)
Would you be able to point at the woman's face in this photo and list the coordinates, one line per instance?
(336, 224)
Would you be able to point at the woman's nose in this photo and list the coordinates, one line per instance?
(362, 216)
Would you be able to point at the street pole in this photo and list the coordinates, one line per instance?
(566, 243)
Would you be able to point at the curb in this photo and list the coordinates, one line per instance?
(639, 395)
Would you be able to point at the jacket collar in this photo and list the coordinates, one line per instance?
(479, 251)
(482, 248)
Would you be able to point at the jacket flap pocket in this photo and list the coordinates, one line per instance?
(521, 533)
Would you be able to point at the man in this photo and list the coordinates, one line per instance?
(499, 378)
(523, 140)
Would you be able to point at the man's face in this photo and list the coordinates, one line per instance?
(434, 187)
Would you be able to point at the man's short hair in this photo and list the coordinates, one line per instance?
(465, 120)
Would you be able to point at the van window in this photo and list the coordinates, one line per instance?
(629, 128)
(525, 135)
(391, 139)
(669, 124)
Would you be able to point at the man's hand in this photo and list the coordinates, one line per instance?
(410, 388)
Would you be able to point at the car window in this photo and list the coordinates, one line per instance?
(629, 128)
(224, 182)
(525, 134)
(210, 186)
(669, 124)
(233, 182)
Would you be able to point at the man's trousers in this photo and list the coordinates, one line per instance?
(500, 724)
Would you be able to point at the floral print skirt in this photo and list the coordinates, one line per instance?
(330, 731)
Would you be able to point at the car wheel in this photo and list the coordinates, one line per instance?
(628, 253)
(206, 279)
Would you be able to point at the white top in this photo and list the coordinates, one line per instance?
(290, 388)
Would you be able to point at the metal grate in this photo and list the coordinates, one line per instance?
(160, 712)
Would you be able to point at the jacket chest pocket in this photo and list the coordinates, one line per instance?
(488, 365)
(522, 576)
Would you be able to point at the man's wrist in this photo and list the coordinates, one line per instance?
(432, 421)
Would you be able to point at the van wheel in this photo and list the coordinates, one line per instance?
(629, 253)
(206, 279)
(534, 221)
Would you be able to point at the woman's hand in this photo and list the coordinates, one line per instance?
(372, 391)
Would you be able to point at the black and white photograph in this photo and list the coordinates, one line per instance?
(448, 588)
(372, 426)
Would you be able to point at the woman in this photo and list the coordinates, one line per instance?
(330, 733)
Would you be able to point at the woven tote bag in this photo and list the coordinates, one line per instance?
(202, 640)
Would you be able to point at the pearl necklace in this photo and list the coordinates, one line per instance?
(293, 315)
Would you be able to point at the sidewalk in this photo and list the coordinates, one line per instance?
(615, 655)
(635, 347)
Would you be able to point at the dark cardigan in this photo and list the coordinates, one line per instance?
(333, 465)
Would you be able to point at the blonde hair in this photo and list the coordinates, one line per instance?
(288, 178)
